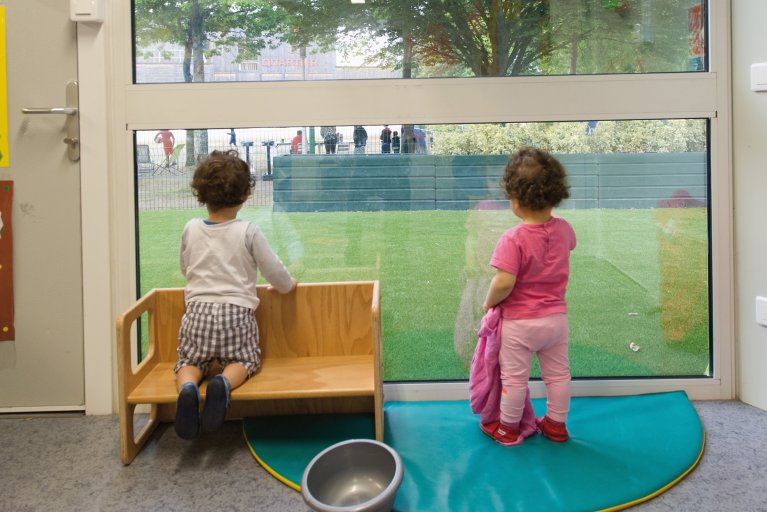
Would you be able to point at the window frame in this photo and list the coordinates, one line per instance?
(446, 100)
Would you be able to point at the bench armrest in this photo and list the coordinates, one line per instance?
(128, 377)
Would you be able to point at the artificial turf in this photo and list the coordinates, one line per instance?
(637, 276)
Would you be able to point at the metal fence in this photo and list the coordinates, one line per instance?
(173, 192)
(163, 183)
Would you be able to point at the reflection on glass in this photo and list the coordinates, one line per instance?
(424, 219)
(255, 40)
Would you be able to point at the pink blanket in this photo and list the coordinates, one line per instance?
(485, 376)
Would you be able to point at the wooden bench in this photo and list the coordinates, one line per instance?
(320, 350)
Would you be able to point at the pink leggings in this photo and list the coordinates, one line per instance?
(547, 337)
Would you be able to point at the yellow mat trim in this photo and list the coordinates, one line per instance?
(665, 487)
(266, 466)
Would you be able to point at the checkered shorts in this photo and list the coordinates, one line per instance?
(225, 332)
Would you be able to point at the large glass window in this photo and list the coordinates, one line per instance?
(423, 216)
(256, 40)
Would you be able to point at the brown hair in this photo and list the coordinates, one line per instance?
(222, 180)
(536, 179)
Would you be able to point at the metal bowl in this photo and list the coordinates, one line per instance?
(358, 475)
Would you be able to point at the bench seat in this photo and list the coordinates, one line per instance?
(320, 354)
(298, 377)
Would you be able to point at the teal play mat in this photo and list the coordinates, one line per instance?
(622, 451)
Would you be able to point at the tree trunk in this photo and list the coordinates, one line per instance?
(407, 142)
(574, 55)
(200, 149)
(187, 65)
(187, 70)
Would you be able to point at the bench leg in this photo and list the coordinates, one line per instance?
(378, 414)
(379, 425)
(130, 444)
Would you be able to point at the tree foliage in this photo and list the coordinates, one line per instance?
(619, 36)
(215, 24)
(484, 37)
(641, 136)
(488, 37)
(203, 28)
(434, 37)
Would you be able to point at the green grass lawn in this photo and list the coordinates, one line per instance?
(636, 276)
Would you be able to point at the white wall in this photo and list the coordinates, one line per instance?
(749, 45)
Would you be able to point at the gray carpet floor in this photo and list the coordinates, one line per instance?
(71, 462)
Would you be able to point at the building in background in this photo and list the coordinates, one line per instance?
(163, 64)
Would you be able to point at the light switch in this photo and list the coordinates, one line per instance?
(761, 310)
(86, 10)
(759, 76)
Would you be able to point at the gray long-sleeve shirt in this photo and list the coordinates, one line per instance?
(221, 262)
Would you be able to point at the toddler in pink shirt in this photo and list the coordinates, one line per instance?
(532, 263)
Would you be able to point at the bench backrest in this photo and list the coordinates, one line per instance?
(317, 319)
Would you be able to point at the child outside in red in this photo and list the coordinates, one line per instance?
(295, 144)
(532, 270)
(168, 141)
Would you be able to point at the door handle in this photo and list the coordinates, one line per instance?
(72, 112)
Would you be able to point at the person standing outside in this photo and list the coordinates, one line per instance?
(395, 142)
(220, 258)
(360, 138)
(385, 139)
(295, 146)
(532, 268)
(168, 141)
(330, 138)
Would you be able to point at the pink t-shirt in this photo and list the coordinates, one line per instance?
(539, 256)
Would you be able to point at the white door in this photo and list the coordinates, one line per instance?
(42, 369)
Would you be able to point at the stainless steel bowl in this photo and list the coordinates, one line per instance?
(358, 475)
